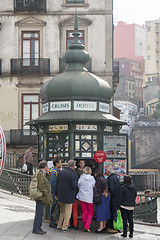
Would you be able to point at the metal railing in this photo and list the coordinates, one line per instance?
(33, 65)
(15, 182)
(29, 5)
(146, 209)
(23, 136)
(63, 65)
(12, 160)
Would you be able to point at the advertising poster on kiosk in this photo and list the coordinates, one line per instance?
(115, 147)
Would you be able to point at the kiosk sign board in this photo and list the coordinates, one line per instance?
(2, 149)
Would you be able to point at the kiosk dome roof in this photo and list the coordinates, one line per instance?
(76, 82)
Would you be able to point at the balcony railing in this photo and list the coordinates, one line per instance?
(30, 5)
(63, 65)
(23, 137)
(27, 65)
(0, 66)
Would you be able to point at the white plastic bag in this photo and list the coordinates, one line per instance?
(24, 167)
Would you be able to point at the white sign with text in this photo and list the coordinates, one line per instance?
(85, 106)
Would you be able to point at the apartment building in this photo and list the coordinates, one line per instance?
(130, 81)
(152, 66)
(129, 47)
(34, 34)
(129, 41)
(152, 56)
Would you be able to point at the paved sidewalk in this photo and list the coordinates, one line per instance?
(23, 230)
(16, 220)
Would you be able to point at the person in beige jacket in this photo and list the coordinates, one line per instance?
(43, 178)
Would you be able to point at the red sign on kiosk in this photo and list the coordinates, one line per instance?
(100, 156)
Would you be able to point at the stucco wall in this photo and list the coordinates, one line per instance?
(146, 143)
(8, 104)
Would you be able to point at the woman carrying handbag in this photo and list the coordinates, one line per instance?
(102, 201)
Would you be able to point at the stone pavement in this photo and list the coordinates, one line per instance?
(16, 219)
(22, 230)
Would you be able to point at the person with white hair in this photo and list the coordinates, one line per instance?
(114, 190)
(86, 184)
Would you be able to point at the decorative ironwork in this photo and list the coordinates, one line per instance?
(85, 145)
(30, 5)
(58, 146)
(33, 65)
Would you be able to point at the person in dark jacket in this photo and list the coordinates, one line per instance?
(114, 190)
(43, 178)
(66, 190)
(127, 202)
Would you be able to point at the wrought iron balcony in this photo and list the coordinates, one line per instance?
(27, 65)
(30, 5)
(23, 137)
(63, 65)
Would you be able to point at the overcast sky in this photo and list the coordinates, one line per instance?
(136, 11)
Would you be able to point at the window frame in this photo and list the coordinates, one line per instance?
(25, 38)
(71, 38)
(29, 103)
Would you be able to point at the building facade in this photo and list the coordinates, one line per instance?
(129, 41)
(152, 66)
(34, 34)
(128, 114)
(130, 81)
(152, 56)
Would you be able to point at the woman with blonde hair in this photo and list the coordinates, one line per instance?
(86, 184)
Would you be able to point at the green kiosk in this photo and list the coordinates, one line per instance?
(76, 120)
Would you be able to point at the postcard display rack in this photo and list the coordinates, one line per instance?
(115, 147)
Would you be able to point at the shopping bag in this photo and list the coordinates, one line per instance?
(24, 167)
(55, 211)
(118, 225)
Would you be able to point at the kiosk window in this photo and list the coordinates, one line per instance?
(85, 145)
(58, 146)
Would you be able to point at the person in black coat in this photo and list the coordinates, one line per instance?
(127, 202)
(66, 190)
(114, 190)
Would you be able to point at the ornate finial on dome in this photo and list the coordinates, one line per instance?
(76, 21)
(76, 56)
(76, 43)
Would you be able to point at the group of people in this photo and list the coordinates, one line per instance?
(73, 186)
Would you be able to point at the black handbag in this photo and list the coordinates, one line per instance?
(97, 199)
(55, 211)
